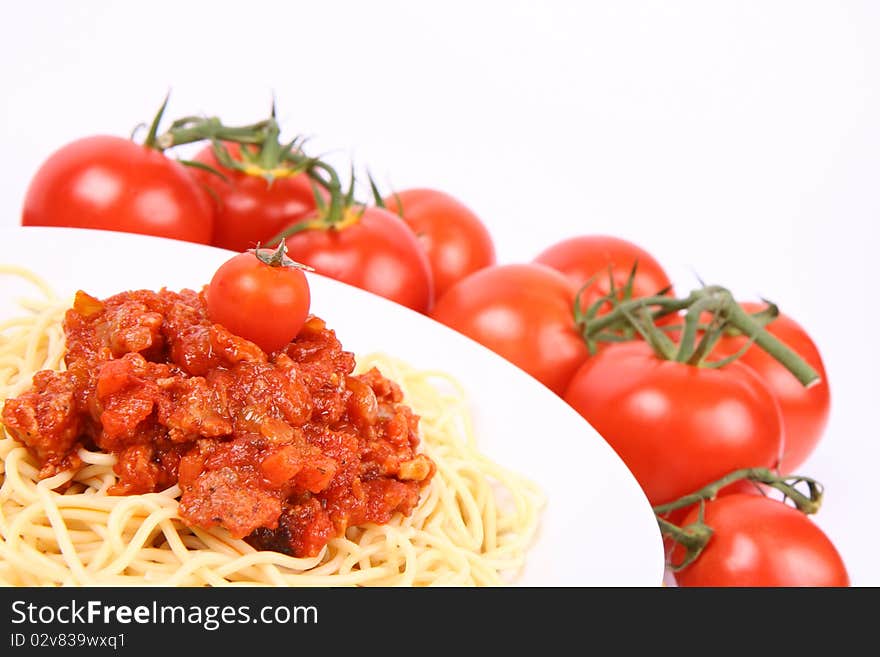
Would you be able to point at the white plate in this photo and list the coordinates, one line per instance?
(597, 528)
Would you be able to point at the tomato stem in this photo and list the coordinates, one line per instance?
(642, 314)
(195, 129)
(270, 150)
(278, 257)
(807, 503)
(687, 344)
(150, 141)
(377, 196)
(664, 306)
(271, 160)
(695, 536)
(742, 321)
(336, 214)
(764, 317)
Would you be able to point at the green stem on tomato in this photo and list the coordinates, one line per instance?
(694, 536)
(665, 306)
(746, 324)
(263, 133)
(688, 342)
(150, 141)
(278, 257)
(275, 258)
(271, 147)
(211, 129)
(663, 347)
(787, 484)
(715, 299)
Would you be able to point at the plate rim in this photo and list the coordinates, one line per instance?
(8, 236)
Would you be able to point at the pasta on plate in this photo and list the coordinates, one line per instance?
(473, 523)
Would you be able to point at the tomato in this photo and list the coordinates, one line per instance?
(594, 256)
(677, 427)
(249, 209)
(112, 183)
(804, 410)
(522, 312)
(373, 250)
(455, 239)
(261, 302)
(759, 541)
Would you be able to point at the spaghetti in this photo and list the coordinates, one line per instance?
(472, 526)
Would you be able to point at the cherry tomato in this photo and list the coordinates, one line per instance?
(266, 304)
(592, 257)
(112, 183)
(677, 427)
(759, 541)
(249, 209)
(522, 312)
(455, 239)
(373, 250)
(804, 410)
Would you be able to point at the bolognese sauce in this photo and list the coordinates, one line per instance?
(286, 449)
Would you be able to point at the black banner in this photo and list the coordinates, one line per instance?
(126, 620)
(158, 620)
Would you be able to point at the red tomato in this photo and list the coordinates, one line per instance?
(591, 256)
(112, 183)
(759, 541)
(374, 251)
(523, 313)
(677, 427)
(455, 239)
(266, 304)
(804, 410)
(248, 208)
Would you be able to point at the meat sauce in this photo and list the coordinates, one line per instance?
(285, 450)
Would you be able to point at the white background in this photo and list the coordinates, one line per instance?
(737, 141)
